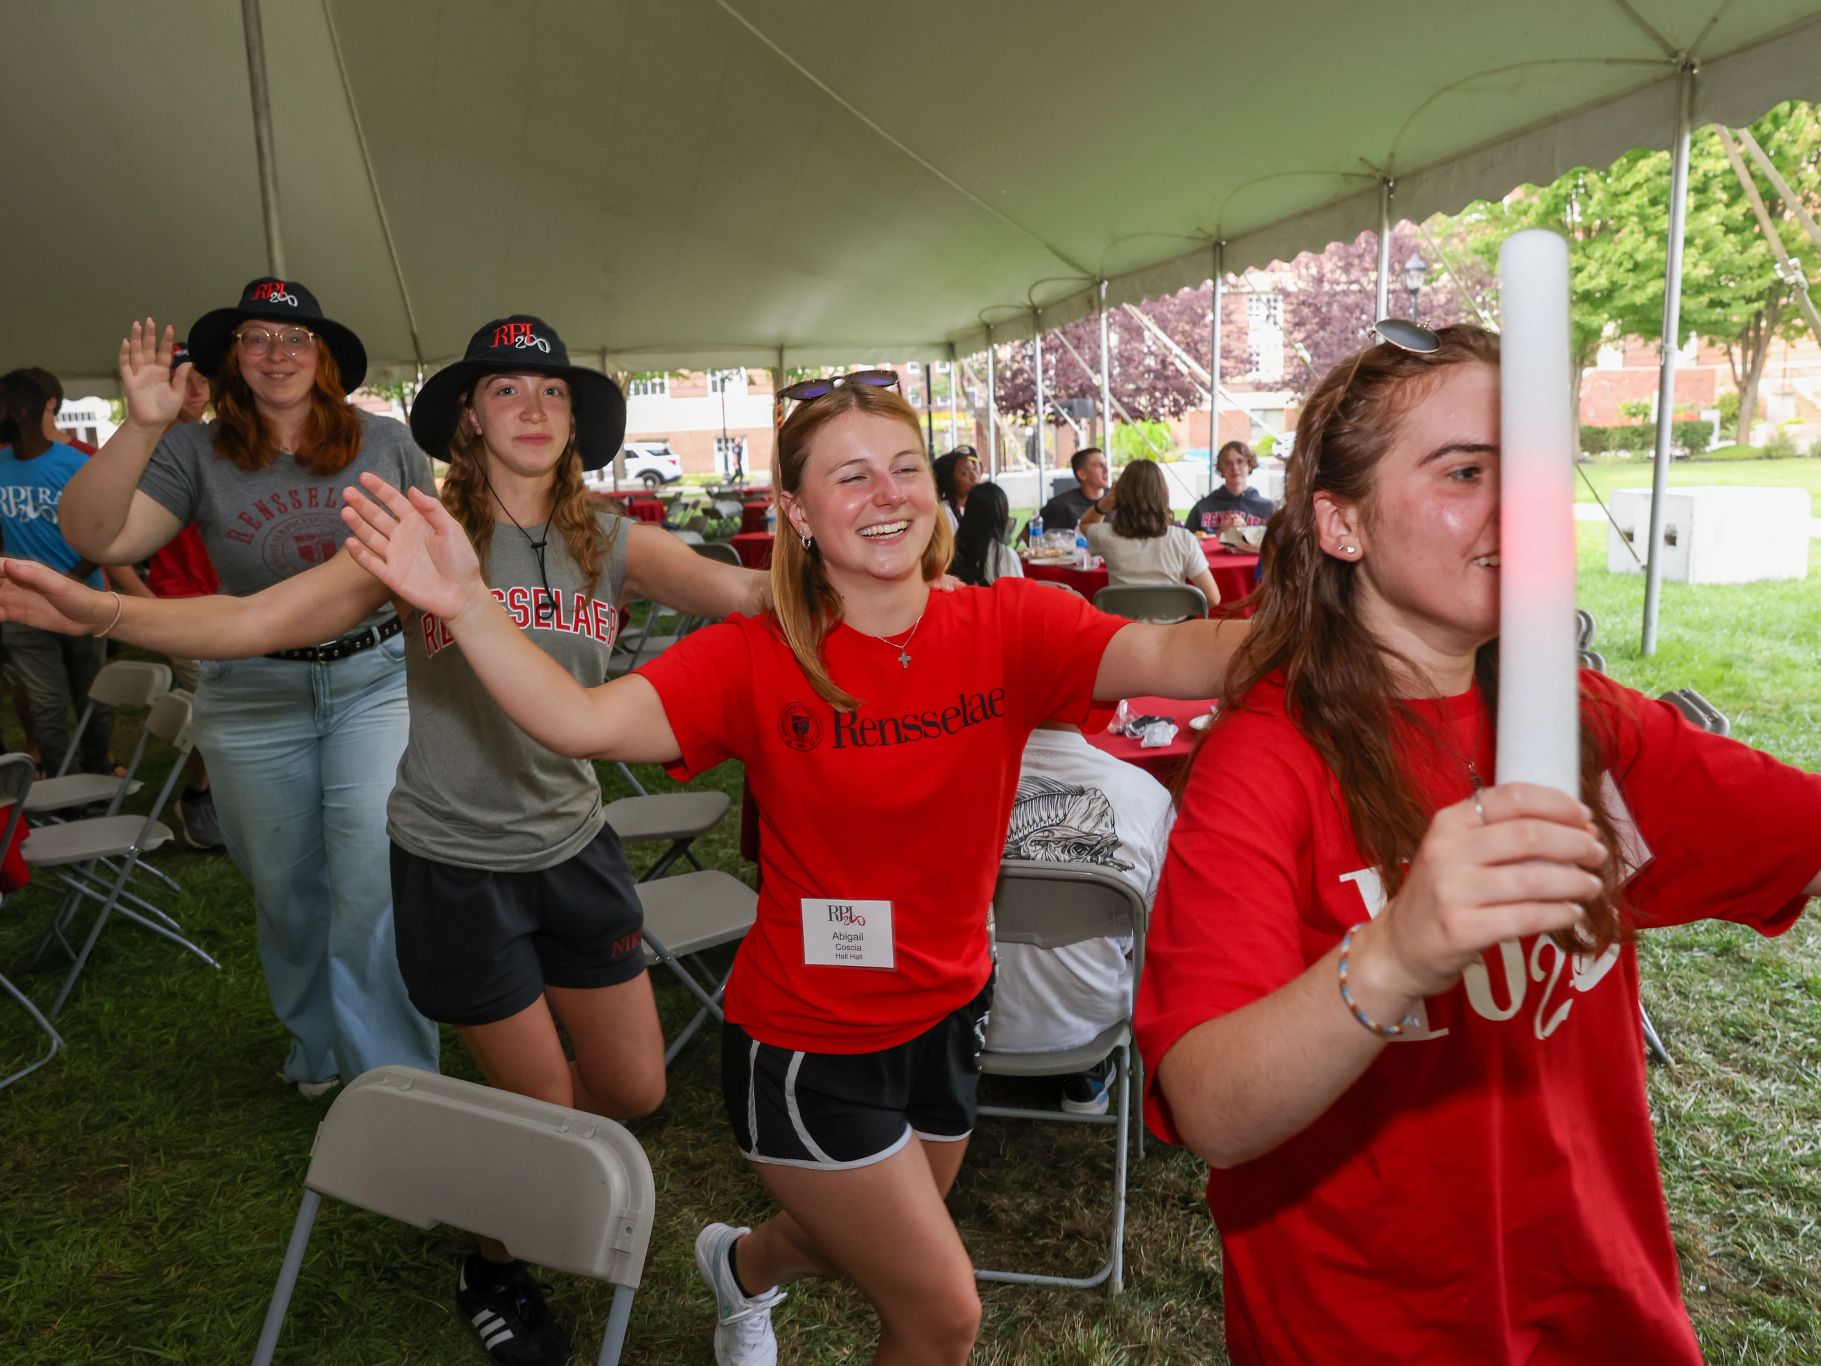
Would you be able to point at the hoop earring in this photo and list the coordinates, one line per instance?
(809, 542)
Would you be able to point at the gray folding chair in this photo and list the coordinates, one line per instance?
(1165, 604)
(720, 550)
(16, 773)
(559, 1187)
(685, 915)
(75, 850)
(1049, 905)
(1065, 587)
(124, 684)
(677, 819)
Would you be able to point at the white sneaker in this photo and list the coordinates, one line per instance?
(743, 1335)
(312, 1090)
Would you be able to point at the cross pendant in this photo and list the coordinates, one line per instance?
(903, 659)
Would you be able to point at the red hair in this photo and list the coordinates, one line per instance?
(328, 441)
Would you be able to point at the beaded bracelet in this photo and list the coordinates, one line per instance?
(1409, 1021)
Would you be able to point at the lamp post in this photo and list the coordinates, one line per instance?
(1414, 271)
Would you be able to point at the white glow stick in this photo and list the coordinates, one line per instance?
(1538, 724)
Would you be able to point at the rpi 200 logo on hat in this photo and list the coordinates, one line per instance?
(799, 727)
(273, 292)
(519, 336)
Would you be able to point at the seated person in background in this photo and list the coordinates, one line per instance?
(1076, 804)
(981, 554)
(956, 474)
(1130, 528)
(1092, 475)
(1233, 503)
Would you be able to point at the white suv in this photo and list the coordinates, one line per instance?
(651, 463)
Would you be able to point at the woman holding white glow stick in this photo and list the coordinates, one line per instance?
(1395, 1009)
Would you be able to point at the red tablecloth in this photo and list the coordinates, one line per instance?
(754, 548)
(1232, 574)
(645, 509)
(752, 516)
(1162, 764)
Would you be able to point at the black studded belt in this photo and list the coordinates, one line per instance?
(331, 650)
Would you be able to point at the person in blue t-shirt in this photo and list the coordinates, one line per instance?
(55, 669)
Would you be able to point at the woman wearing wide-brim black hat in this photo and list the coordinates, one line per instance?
(301, 747)
(514, 906)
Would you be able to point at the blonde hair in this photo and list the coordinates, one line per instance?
(467, 496)
(804, 603)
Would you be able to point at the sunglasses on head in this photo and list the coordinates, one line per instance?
(805, 390)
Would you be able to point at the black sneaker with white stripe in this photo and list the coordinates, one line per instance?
(505, 1308)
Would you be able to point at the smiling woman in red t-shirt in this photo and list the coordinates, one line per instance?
(1397, 1013)
(861, 706)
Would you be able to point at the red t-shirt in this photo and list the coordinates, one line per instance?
(904, 800)
(182, 569)
(1487, 1191)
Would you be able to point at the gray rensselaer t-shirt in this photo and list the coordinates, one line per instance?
(262, 526)
(473, 789)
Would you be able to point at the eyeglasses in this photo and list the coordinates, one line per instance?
(804, 390)
(256, 341)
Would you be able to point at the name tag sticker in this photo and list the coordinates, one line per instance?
(848, 934)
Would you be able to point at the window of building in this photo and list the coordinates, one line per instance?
(727, 381)
(652, 386)
(1265, 336)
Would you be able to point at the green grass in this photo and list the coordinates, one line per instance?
(1607, 475)
(151, 1172)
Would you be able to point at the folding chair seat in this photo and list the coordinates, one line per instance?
(124, 685)
(559, 1187)
(685, 915)
(1065, 587)
(1165, 604)
(720, 550)
(1050, 905)
(75, 851)
(674, 818)
(16, 773)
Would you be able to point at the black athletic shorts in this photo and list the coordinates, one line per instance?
(840, 1110)
(477, 945)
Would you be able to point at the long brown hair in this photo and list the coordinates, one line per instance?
(328, 440)
(806, 605)
(1337, 676)
(470, 500)
(1141, 502)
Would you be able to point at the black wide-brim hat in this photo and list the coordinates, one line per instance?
(522, 345)
(272, 300)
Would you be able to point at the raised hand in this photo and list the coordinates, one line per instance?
(36, 595)
(1525, 868)
(154, 395)
(413, 546)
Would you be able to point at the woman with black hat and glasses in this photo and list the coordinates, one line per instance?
(301, 746)
(514, 905)
(858, 703)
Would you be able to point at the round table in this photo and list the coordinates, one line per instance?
(753, 548)
(1233, 574)
(1165, 762)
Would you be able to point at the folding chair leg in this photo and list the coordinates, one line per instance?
(42, 1023)
(619, 1315)
(1653, 1042)
(667, 858)
(287, 1278)
(1116, 1263)
(60, 920)
(108, 907)
(688, 1031)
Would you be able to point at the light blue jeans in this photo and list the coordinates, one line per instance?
(301, 760)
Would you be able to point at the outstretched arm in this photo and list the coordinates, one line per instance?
(414, 547)
(1186, 660)
(664, 569)
(305, 609)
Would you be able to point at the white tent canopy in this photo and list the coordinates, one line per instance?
(687, 183)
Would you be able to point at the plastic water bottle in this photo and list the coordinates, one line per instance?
(1081, 548)
(1036, 532)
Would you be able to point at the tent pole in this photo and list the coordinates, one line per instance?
(1037, 378)
(1666, 381)
(954, 400)
(1106, 377)
(777, 407)
(929, 405)
(262, 134)
(1382, 305)
(1220, 263)
(992, 406)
